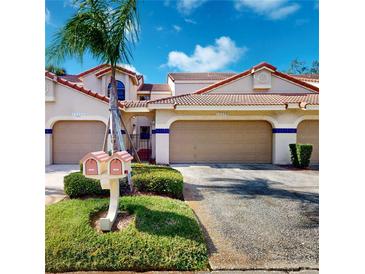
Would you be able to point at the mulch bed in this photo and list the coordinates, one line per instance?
(122, 220)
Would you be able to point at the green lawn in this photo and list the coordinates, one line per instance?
(164, 236)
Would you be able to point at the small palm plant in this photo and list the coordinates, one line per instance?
(106, 29)
(56, 70)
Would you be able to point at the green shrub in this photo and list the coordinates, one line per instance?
(81, 167)
(155, 179)
(77, 185)
(301, 154)
(162, 180)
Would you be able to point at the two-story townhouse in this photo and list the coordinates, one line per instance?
(213, 117)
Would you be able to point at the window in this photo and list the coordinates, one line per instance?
(120, 90)
(144, 132)
(144, 97)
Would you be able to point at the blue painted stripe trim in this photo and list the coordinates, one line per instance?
(284, 130)
(161, 131)
(48, 131)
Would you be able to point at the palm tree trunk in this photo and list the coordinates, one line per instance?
(116, 130)
(105, 143)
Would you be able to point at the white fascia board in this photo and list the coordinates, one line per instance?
(160, 106)
(143, 92)
(256, 70)
(141, 109)
(161, 93)
(293, 105)
(233, 108)
(196, 81)
(312, 107)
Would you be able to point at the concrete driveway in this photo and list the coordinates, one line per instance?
(54, 181)
(255, 216)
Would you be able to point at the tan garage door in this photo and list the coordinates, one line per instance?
(308, 133)
(220, 142)
(73, 139)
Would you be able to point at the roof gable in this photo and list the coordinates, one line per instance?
(232, 83)
(92, 94)
(105, 69)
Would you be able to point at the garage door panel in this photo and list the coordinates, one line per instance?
(308, 133)
(220, 142)
(73, 139)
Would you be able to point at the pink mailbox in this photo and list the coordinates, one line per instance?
(94, 163)
(119, 163)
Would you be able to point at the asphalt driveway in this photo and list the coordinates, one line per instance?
(255, 216)
(54, 181)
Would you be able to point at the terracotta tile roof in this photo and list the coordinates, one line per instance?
(96, 95)
(134, 104)
(306, 77)
(251, 70)
(247, 99)
(71, 78)
(105, 68)
(108, 69)
(76, 87)
(155, 87)
(92, 70)
(181, 76)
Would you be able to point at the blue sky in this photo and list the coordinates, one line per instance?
(207, 35)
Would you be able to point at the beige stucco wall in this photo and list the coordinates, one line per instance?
(245, 85)
(171, 84)
(130, 88)
(190, 87)
(70, 105)
(49, 90)
(93, 83)
(155, 96)
(100, 85)
(278, 119)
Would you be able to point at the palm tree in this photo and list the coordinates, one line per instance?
(56, 70)
(106, 29)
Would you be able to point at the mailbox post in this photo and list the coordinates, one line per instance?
(108, 169)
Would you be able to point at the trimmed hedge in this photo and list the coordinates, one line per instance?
(301, 154)
(167, 182)
(77, 185)
(154, 179)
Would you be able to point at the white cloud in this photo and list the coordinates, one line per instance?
(187, 6)
(209, 58)
(190, 21)
(129, 67)
(159, 28)
(177, 28)
(283, 11)
(48, 16)
(272, 9)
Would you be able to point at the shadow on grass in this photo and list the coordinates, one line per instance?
(165, 223)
